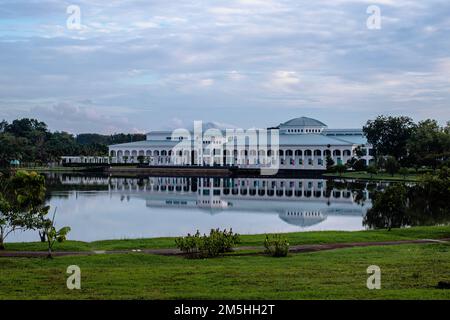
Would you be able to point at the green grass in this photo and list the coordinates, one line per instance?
(311, 237)
(361, 175)
(407, 272)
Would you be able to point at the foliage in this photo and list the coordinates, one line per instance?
(29, 141)
(53, 235)
(339, 168)
(413, 145)
(422, 204)
(430, 144)
(141, 159)
(21, 203)
(206, 246)
(389, 135)
(372, 170)
(276, 245)
(403, 171)
(391, 165)
(329, 162)
(357, 164)
(388, 208)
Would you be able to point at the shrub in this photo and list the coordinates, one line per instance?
(207, 246)
(276, 246)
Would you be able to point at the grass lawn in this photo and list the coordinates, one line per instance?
(361, 175)
(407, 272)
(312, 237)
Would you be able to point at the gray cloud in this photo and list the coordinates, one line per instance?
(135, 65)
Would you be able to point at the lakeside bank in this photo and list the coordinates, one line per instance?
(409, 271)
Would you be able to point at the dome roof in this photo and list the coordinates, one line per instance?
(303, 122)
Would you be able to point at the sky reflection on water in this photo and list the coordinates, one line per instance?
(99, 208)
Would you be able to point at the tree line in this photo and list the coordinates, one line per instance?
(399, 142)
(30, 141)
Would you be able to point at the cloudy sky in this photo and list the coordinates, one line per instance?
(157, 64)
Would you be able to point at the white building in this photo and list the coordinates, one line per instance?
(300, 143)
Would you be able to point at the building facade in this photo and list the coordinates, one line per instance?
(300, 143)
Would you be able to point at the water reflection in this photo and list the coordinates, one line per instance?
(102, 207)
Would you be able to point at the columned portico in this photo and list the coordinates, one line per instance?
(304, 143)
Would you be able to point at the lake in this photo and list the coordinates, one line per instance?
(103, 207)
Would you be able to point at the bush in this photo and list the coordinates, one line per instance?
(207, 246)
(276, 246)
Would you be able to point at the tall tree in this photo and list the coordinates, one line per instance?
(389, 135)
(429, 145)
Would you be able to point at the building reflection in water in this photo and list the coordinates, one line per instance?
(299, 202)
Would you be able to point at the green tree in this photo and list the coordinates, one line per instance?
(11, 148)
(21, 203)
(372, 170)
(357, 164)
(340, 168)
(389, 135)
(329, 162)
(391, 165)
(359, 152)
(429, 145)
(403, 171)
(61, 144)
(389, 208)
(141, 159)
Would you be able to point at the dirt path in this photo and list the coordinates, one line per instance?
(170, 252)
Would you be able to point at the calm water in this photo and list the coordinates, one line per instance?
(99, 208)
